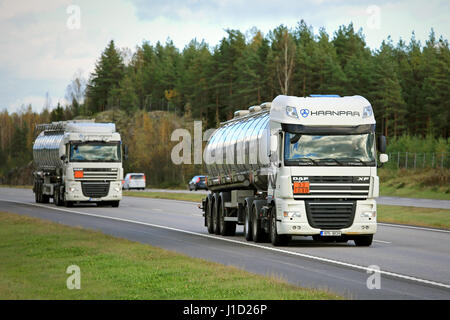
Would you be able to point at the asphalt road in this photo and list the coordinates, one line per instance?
(392, 201)
(414, 262)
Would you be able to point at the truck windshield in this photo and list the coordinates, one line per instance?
(95, 152)
(325, 150)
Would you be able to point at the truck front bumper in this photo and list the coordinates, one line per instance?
(74, 192)
(363, 222)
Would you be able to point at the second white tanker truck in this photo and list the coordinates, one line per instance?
(78, 161)
(299, 166)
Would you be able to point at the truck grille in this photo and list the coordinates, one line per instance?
(92, 174)
(95, 189)
(335, 187)
(325, 214)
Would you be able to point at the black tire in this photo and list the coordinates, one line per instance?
(45, 198)
(37, 193)
(209, 218)
(57, 198)
(115, 204)
(68, 204)
(258, 232)
(248, 223)
(275, 238)
(222, 226)
(215, 210)
(227, 228)
(363, 241)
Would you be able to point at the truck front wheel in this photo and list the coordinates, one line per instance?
(275, 238)
(57, 198)
(258, 232)
(363, 241)
(115, 204)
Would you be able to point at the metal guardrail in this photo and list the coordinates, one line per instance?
(413, 160)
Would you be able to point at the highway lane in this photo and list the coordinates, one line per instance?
(392, 201)
(176, 225)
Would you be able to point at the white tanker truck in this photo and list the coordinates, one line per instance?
(296, 167)
(78, 161)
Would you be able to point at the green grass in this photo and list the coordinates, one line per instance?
(408, 192)
(18, 187)
(195, 197)
(419, 183)
(34, 256)
(425, 217)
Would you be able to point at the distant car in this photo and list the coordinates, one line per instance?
(134, 181)
(198, 182)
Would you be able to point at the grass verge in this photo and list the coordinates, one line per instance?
(424, 217)
(419, 183)
(34, 256)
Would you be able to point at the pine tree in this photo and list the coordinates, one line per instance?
(104, 82)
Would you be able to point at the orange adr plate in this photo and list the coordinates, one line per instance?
(301, 187)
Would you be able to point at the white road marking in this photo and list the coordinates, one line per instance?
(381, 241)
(412, 227)
(249, 244)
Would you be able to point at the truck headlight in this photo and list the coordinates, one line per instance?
(292, 214)
(368, 214)
(117, 189)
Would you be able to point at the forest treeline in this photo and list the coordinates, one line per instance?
(407, 83)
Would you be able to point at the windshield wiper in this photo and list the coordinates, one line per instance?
(330, 159)
(357, 159)
(304, 158)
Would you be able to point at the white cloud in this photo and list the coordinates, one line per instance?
(39, 53)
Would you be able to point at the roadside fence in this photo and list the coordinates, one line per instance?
(413, 160)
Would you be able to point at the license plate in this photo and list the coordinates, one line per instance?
(94, 199)
(329, 233)
(301, 187)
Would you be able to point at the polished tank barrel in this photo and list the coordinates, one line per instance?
(236, 154)
(47, 150)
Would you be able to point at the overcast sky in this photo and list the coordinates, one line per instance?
(44, 43)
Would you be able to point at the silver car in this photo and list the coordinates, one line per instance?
(134, 181)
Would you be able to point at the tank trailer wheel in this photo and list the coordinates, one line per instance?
(209, 218)
(248, 224)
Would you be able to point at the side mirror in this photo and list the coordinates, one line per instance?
(381, 144)
(63, 157)
(125, 152)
